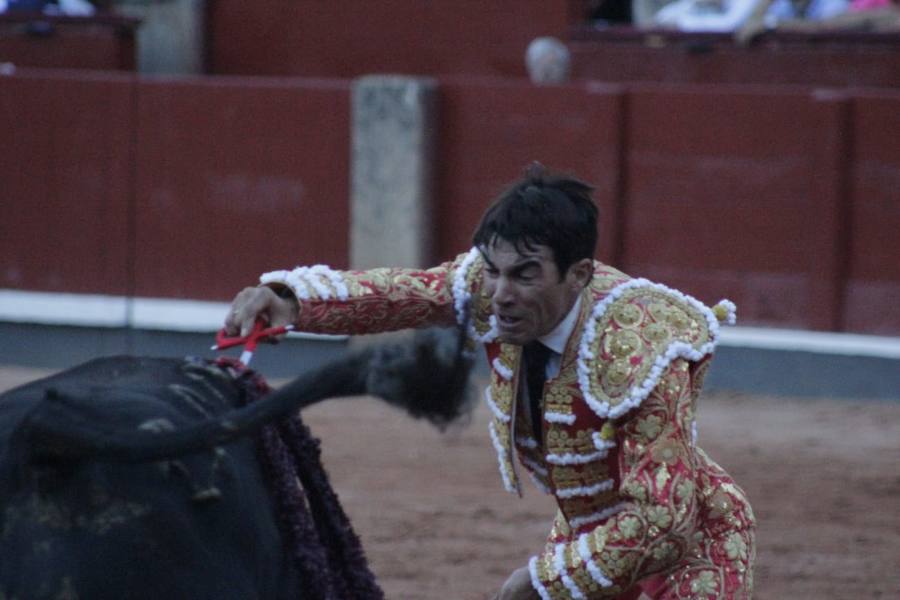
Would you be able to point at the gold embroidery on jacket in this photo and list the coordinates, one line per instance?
(560, 441)
(636, 328)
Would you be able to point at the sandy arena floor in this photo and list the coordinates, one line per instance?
(823, 476)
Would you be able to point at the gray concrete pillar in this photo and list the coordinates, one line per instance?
(392, 157)
(170, 39)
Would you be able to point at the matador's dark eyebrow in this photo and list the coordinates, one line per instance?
(486, 259)
(526, 263)
(523, 263)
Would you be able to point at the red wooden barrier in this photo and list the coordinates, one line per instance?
(492, 129)
(66, 157)
(785, 200)
(238, 176)
(828, 230)
(169, 188)
(717, 196)
(102, 41)
(873, 274)
(449, 37)
(834, 58)
(312, 38)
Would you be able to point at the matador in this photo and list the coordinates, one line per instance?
(603, 419)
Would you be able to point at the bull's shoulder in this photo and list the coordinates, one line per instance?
(108, 370)
(126, 391)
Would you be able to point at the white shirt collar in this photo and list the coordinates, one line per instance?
(556, 339)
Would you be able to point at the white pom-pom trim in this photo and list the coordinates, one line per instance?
(590, 490)
(536, 581)
(461, 295)
(504, 371)
(675, 350)
(604, 514)
(534, 470)
(526, 441)
(559, 561)
(274, 276)
(312, 278)
(539, 484)
(489, 400)
(600, 443)
(301, 279)
(503, 459)
(533, 466)
(334, 278)
(556, 417)
(296, 280)
(576, 459)
(584, 551)
(730, 310)
(461, 298)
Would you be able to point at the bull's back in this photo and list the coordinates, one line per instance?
(194, 526)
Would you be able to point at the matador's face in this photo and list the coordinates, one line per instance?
(528, 297)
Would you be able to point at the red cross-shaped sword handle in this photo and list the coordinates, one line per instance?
(249, 341)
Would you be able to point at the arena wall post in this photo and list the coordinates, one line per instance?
(391, 203)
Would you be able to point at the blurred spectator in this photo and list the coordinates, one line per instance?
(643, 12)
(816, 10)
(79, 8)
(547, 60)
(749, 18)
(821, 15)
(860, 5)
(705, 15)
(22, 5)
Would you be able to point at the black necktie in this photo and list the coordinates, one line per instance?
(536, 356)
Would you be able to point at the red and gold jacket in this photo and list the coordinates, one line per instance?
(637, 498)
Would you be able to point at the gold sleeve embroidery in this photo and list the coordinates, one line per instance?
(371, 301)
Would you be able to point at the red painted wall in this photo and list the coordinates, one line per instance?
(169, 188)
(477, 38)
(102, 42)
(65, 166)
(840, 59)
(238, 176)
(347, 39)
(873, 266)
(784, 200)
(716, 197)
(490, 130)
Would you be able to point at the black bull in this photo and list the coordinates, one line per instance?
(136, 477)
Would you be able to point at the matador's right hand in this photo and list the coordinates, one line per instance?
(259, 302)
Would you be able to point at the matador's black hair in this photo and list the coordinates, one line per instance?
(543, 209)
